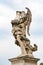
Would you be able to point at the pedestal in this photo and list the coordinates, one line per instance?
(24, 60)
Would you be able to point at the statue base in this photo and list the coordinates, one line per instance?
(24, 60)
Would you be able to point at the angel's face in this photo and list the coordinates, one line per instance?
(18, 14)
(22, 14)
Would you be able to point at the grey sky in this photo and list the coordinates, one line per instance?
(7, 12)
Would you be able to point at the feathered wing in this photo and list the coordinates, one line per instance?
(29, 18)
(28, 25)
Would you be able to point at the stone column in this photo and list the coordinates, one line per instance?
(24, 60)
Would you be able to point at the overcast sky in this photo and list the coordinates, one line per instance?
(8, 10)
